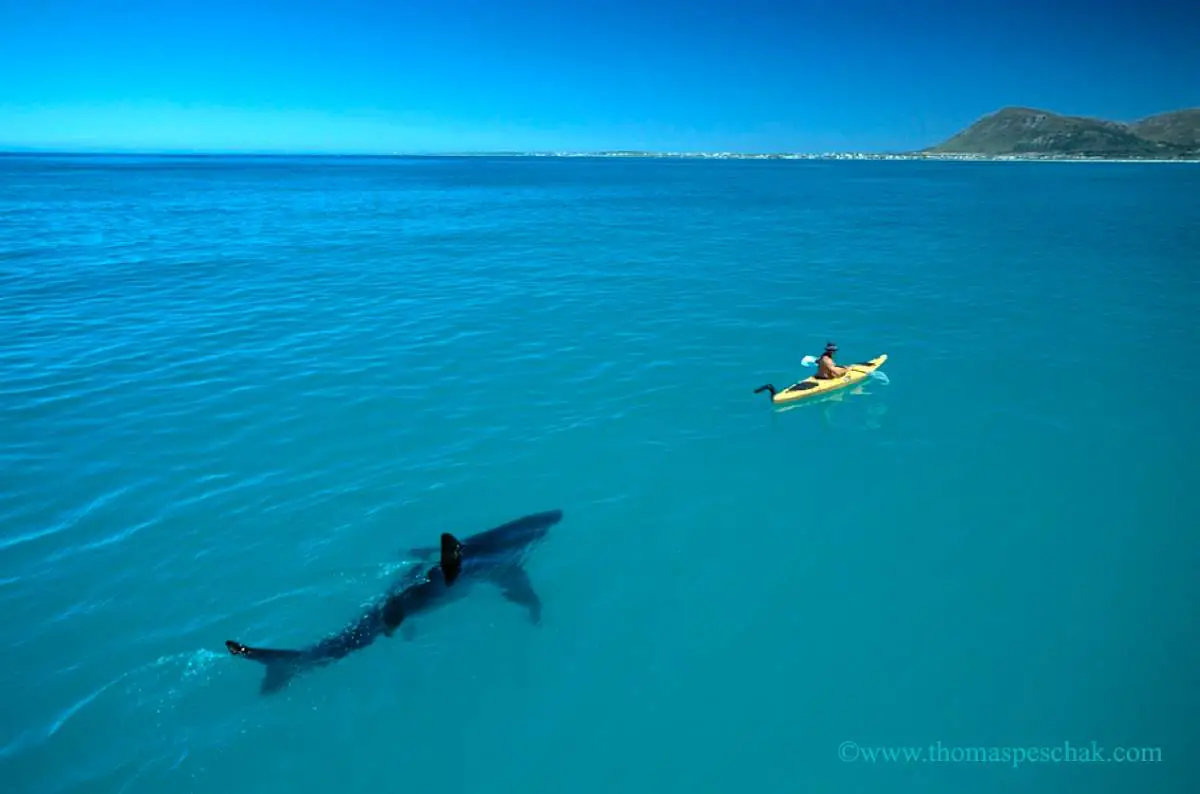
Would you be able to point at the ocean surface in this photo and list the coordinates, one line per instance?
(236, 392)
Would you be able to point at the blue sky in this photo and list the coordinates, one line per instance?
(480, 75)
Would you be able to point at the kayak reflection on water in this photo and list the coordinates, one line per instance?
(842, 411)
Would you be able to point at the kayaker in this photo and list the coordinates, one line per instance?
(826, 369)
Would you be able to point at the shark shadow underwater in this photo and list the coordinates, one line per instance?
(495, 556)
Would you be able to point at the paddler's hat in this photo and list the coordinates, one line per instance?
(830, 347)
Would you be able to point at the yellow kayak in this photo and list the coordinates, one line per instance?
(813, 386)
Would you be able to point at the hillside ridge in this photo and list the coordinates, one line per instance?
(1018, 130)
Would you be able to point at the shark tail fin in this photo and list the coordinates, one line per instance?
(451, 557)
(767, 387)
(281, 664)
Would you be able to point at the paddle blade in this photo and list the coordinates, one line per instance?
(880, 376)
(808, 361)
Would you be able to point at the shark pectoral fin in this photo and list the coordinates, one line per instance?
(421, 552)
(451, 557)
(515, 586)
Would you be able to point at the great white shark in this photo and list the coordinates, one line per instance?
(495, 556)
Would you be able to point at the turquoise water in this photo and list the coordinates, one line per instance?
(234, 393)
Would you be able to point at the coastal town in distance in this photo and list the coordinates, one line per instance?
(1012, 133)
(864, 156)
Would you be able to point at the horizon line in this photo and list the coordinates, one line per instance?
(25, 150)
(606, 154)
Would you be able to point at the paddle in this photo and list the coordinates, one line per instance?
(811, 361)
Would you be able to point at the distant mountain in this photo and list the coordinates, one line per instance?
(1020, 131)
(1180, 128)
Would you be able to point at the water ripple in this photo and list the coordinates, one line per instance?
(68, 521)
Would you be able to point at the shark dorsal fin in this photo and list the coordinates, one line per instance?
(451, 557)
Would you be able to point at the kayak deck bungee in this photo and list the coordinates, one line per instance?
(813, 386)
